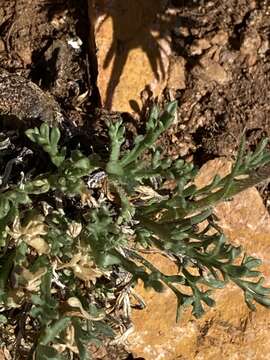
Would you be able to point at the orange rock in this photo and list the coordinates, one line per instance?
(133, 52)
(228, 331)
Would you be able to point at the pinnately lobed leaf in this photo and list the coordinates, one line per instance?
(122, 206)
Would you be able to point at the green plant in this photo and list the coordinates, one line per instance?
(61, 242)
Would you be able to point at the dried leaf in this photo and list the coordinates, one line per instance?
(33, 280)
(69, 342)
(83, 268)
(31, 233)
(39, 244)
(147, 193)
(75, 303)
(74, 229)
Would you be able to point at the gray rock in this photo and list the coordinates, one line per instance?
(24, 101)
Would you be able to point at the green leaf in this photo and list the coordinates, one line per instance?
(44, 132)
(47, 353)
(106, 260)
(54, 330)
(3, 319)
(48, 138)
(55, 136)
(171, 108)
(81, 338)
(18, 197)
(37, 186)
(4, 207)
(32, 134)
(6, 264)
(155, 127)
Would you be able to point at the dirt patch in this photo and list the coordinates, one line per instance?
(46, 42)
(226, 48)
(221, 48)
(230, 77)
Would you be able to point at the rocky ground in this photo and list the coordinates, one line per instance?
(117, 57)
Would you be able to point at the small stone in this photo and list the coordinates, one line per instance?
(264, 47)
(59, 19)
(195, 31)
(210, 70)
(198, 46)
(183, 31)
(220, 38)
(2, 45)
(177, 75)
(228, 56)
(250, 46)
(25, 55)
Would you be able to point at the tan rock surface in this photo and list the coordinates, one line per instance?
(177, 74)
(229, 331)
(220, 38)
(250, 46)
(210, 70)
(199, 46)
(133, 52)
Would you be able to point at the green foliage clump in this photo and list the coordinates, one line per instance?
(60, 243)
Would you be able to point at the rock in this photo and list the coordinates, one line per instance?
(198, 46)
(132, 55)
(220, 38)
(182, 31)
(250, 46)
(22, 100)
(177, 75)
(228, 331)
(243, 216)
(210, 70)
(264, 47)
(25, 55)
(228, 57)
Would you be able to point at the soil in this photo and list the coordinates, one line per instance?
(227, 58)
(238, 36)
(235, 35)
(46, 42)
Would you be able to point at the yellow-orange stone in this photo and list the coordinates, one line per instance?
(230, 331)
(132, 52)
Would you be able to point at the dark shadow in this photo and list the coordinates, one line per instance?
(44, 72)
(236, 37)
(131, 357)
(135, 106)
